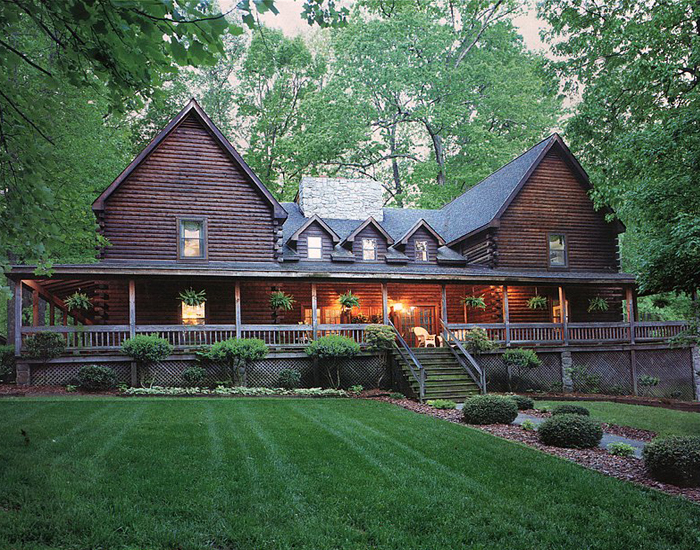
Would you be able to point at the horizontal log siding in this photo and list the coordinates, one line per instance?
(369, 232)
(456, 310)
(422, 235)
(479, 250)
(578, 304)
(553, 200)
(518, 297)
(314, 230)
(188, 174)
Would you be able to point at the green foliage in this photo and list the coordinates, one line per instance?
(397, 395)
(645, 383)
(675, 459)
(571, 431)
(523, 402)
(474, 302)
(191, 297)
(621, 449)
(289, 379)
(489, 409)
(522, 359)
(44, 345)
(597, 304)
(8, 367)
(477, 341)
(146, 349)
(96, 378)
(240, 391)
(584, 380)
(537, 302)
(379, 337)
(571, 409)
(71, 388)
(330, 350)
(279, 300)
(237, 354)
(194, 376)
(528, 425)
(78, 300)
(442, 404)
(356, 389)
(348, 300)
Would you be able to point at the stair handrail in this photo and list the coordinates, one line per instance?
(420, 375)
(477, 374)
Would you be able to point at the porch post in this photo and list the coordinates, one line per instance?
(443, 311)
(385, 303)
(564, 315)
(506, 314)
(18, 317)
(35, 307)
(238, 308)
(52, 314)
(132, 308)
(629, 298)
(314, 312)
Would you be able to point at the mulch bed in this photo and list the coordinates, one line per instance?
(13, 390)
(628, 469)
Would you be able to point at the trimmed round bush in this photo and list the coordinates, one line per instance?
(45, 345)
(571, 409)
(96, 378)
(194, 376)
(379, 337)
(147, 349)
(523, 403)
(571, 431)
(674, 459)
(289, 379)
(489, 409)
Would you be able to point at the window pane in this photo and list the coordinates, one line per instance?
(557, 250)
(314, 248)
(369, 249)
(193, 315)
(422, 251)
(192, 248)
(191, 230)
(191, 239)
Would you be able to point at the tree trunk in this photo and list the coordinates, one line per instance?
(398, 188)
(439, 155)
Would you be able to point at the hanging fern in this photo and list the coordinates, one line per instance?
(78, 300)
(474, 302)
(537, 302)
(279, 300)
(348, 300)
(191, 297)
(598, 304)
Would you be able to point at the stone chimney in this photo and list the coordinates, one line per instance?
(340, 198)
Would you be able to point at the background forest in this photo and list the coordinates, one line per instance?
(427, 97)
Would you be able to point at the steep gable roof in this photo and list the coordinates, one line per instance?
(310, 221)
(424, 224)
(369, 221)
(193, 108)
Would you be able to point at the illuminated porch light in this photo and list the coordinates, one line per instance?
(398, 306)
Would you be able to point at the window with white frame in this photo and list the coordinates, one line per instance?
(192, 239)
(557, 250)
(369, 249)
(421, 251)
(314, 248)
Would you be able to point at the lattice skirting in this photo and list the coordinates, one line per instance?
(672, 368)
(544, 378)
(60, 374)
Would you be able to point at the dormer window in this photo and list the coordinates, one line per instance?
(369, 249)
(421, 251)
(314, 248)
(192, 239)
(557, 250)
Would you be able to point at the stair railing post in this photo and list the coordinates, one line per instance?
(506, 314)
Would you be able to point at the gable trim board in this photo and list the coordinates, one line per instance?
(279, 213)
(315, 219)
(369, 221)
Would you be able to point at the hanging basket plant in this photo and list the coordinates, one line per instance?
(537, 302)
(474, 302)
(78, 301)
(281, 301)
(597, 304)
(348, 301)
(191, 297)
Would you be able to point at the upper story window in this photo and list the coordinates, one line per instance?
(421, 251)
(192, 239)
(557, 250)
(369, 249)
(314, 248)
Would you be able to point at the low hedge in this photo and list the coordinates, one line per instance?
(240, 391)
(674, 459)
(96, 378)
(523, 403)
(194, 376)
(571, 409)
(572, 431)
(489, 409)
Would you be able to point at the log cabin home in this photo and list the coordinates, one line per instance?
(188, 212)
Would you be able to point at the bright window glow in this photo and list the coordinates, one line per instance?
(421, 251)
(193, 315)
(191, 239)
(557, 250)
(314, 247)
(369, 249)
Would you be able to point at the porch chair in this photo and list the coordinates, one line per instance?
(425, 339)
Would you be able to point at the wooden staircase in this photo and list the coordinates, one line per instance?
(445, 378)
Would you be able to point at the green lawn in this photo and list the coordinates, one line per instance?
(656, 419)
(287, 473)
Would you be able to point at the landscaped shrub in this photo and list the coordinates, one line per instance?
(477, 341)
(379, 337)
(8, 370)
(45, 345)
(237, 354)
(489, 409)
(675, 459)
(397, 395)
(357, 388)
(621, 449)
(194, 376)
(146, 350)
(523, 403)
(571, 431)
(520, 361)
(442, 404)
(289, 379)
(96, 378)
(330, 350)
(528, 425)
(571, 409)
